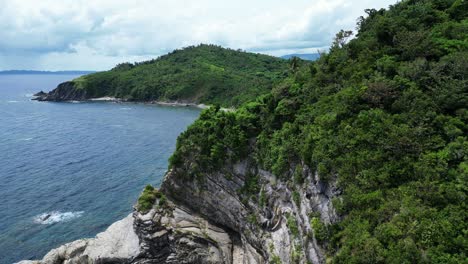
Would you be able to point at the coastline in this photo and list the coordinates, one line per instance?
(118, 243)
(154, 102)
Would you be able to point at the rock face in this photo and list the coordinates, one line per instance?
(210, 220)
(66, 91)
(118, 244)
(260, 232)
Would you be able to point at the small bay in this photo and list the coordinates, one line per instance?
(69, 170)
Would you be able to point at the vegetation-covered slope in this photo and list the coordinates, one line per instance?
(203, 74)
(385, 113)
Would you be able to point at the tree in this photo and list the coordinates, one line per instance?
(341, 38)
(294, 64)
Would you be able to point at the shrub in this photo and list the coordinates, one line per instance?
(320, 229)
(296, 198)
(147, 199)
(292, 225)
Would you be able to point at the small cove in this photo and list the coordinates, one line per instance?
(69, 170)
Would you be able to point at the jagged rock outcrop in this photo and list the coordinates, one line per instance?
(262, 228)
(182, 236)
(40, 94)
(209, 220)
(66, 91)
(118, 244)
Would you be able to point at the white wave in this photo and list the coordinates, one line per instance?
(26, 139)
(75, 102)
(29, 95)
(12, 101)
(56, 217)
(106, 98)
(125, 108)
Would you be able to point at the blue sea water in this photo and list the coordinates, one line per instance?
(84, 164)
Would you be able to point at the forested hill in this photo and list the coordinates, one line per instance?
(200, 74)
(384, 116)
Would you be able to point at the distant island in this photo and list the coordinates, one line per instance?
(44, 72)
(304, 56)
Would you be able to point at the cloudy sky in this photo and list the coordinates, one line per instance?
(97, 34)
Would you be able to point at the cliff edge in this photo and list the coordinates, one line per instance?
(209, 221)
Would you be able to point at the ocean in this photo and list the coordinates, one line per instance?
(69, 170)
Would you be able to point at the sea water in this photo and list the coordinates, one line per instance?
(69, 170)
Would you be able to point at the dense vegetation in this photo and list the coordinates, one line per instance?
(386, 114)
(203, 74)
(148, 198)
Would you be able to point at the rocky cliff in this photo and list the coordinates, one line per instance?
(66, 91)
(209, 220)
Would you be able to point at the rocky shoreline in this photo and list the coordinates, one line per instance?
(208, 222)
(118, 244)
(65, 93)
(41, 96)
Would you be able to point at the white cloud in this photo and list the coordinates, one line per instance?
(83, 34)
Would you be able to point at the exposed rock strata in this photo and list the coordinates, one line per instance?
(209, 221)
(64, 92)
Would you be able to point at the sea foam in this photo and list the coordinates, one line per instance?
(56, 217)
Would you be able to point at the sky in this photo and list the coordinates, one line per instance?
(97, 34)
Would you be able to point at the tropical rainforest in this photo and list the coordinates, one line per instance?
(384, 112)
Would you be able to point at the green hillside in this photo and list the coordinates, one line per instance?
(203, 74)
(386, 115)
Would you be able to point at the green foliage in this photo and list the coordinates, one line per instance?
(251, 190)
(386, 113)
(252, 219)
(296, 198)
(275, 260)
(262, 199)
(203, 74)
(147, 198)
(297, 253)
(215, 137)
(251, 185)
(298, 177)
(162, 200)
(292, 225)
(320, 229)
